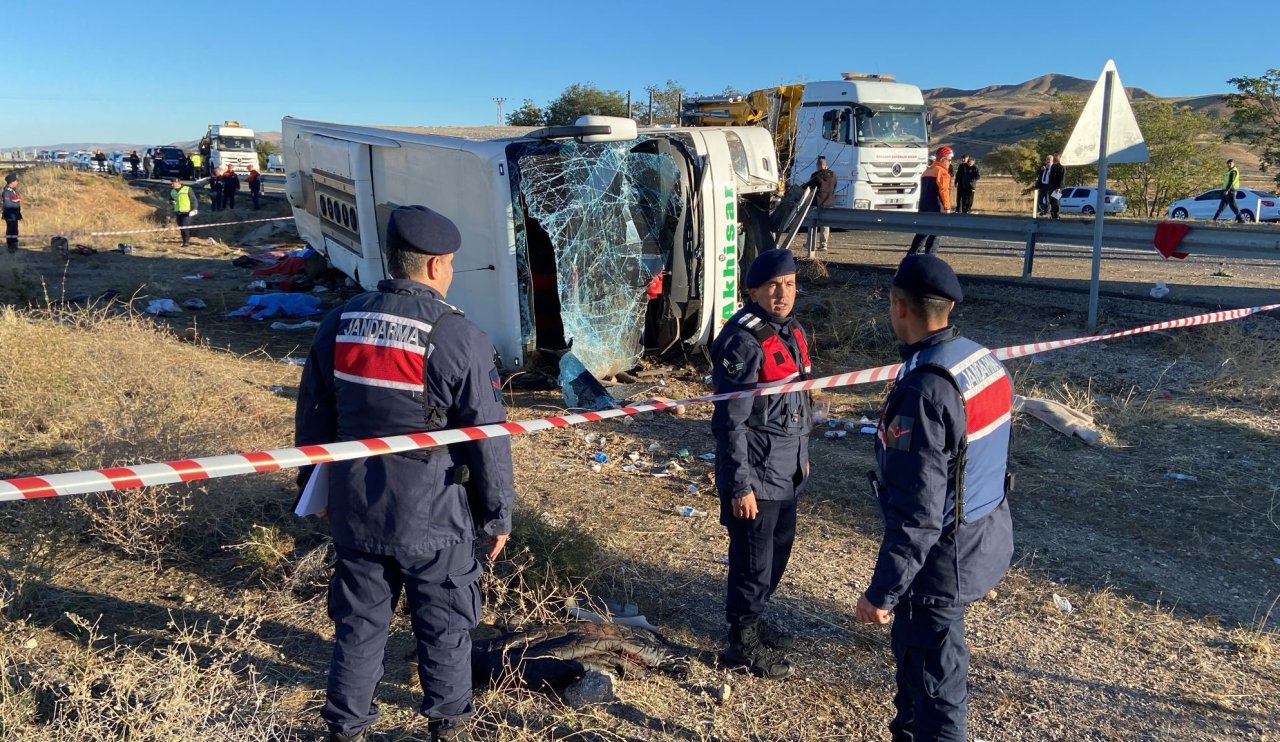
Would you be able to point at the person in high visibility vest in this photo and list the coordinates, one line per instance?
(183, 200)
(1230, 184)
(197, 165)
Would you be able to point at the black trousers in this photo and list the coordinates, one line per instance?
(928, 241)
(182, 217)
(11, 234)
(444, 605)
(964, 200)
(216, 198)
(1046, 204)
(230, 199)
(759, 550)
(1228, 199)
(932, 659)
(255, 194)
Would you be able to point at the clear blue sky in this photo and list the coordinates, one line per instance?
(159, 71)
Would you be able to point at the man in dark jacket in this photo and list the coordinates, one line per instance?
(399, 361)
(255, 186)
(134, 161)
(823, 181)
(966, 181)
(12, 211)
(230, 186)
(215, 189)
(762, 455)
(1049, 187)
(942, 445)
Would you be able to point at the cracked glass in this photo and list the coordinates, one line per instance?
(602, 208)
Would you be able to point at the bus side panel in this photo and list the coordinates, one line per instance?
(467, 188)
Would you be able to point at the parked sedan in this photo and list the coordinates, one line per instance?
(1081, 200)
(1250, 202)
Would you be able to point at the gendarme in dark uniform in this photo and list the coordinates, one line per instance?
(762, 455)
(942, 446)
(394, 361)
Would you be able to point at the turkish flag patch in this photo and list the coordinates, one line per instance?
(897, 434)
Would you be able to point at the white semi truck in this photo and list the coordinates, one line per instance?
(596, 237)
(228, 143)
(872, 130)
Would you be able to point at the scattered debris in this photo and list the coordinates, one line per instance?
(1061, 603)
(634, 456)
(693, 489)
(124, 249)
(867, 429)
(707, 456)
(294, 361)
(163, 308)
(600, 457)
(1059, 417)
(1160, 291)
(689, 511)
(194, 304)
(723, 559)
(548, 519)
(31, 643)
(201, 276)
(263, 306)
(581, 389)
(305, 324)
(276, 389)
(835, 434)
(682, 453)
(258, 284)
(1182, 477)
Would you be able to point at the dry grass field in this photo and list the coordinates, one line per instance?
(198, 612)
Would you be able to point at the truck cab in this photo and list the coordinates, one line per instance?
(228, 143)
(597, 238)
(873, 132)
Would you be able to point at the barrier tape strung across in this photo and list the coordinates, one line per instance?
(190, 470)
(189, 227)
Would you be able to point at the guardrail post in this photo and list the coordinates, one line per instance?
(1029, 255)
(810, 239)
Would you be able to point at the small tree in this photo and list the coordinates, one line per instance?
(581, 99)
(1180, 143)
(666, 102)
(1255, 115)
(265, 150)
(1020, 161)
(527, 114)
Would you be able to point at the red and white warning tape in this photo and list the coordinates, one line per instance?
(148, 230)
(211, 467)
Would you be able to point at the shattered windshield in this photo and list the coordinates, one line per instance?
(590, 241)
(892, 128)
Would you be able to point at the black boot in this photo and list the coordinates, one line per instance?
(455, 733)
(747, 650)
(774, 637)
(340, 737)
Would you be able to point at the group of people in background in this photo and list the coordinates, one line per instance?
(225, 183)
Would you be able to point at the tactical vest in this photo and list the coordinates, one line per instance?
(981, 465)
(778, 366)
(383, 344)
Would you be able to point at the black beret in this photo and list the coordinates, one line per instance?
(10, 178)
(928, 275)
(420, 229)
(769, 265)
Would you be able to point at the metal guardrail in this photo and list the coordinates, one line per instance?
(1224, 240)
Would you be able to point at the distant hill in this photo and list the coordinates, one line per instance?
(976, 121)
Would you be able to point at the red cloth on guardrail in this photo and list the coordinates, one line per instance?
(1168, 237)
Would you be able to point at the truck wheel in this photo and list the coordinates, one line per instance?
(753, 237)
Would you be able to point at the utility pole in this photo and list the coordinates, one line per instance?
(499, 101)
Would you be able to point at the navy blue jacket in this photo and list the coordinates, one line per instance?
(762, 443)
(924, 559)
(409, 504)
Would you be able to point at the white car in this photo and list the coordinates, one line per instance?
(1251, 202)
(1082, 200)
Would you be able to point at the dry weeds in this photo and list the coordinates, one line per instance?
(209, 602)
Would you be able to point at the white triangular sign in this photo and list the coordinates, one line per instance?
(1124, 139)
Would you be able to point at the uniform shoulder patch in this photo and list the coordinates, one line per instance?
(897, 434)
(496, 382)
(733, 367)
